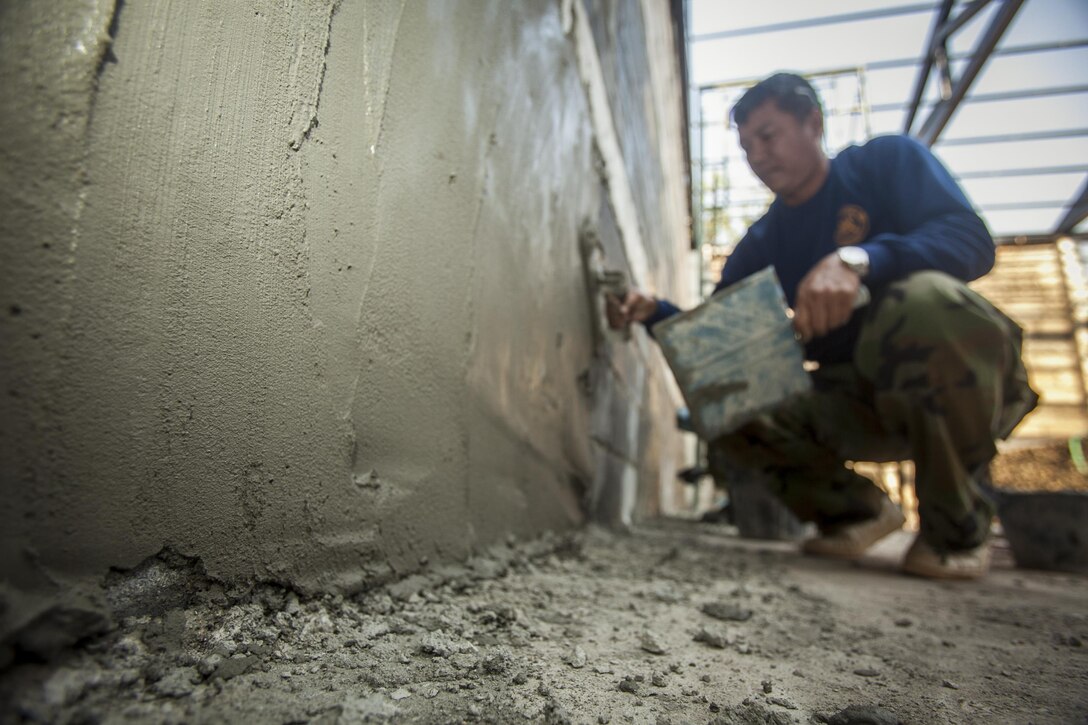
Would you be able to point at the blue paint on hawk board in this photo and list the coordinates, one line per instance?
(735, 355)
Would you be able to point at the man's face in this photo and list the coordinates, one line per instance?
(784, 152)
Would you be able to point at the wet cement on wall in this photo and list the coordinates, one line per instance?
(293, 290)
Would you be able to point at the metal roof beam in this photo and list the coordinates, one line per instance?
(1001, 96)
(927, 65)
(1029, 93)
(1021, 205)
(942, 113)
(1014, 137)
(950, 27)
(812, 22)
(1018, 50)
(893, 63)
(1078, 210)
(1030, 171)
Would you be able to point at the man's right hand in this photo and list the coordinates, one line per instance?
(635, 306)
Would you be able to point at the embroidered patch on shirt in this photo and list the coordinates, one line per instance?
(853, 225)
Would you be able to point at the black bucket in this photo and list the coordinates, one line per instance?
(1046, 530)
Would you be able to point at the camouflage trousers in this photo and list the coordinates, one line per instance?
(936, 378)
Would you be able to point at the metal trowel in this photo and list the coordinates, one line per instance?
(600, 282)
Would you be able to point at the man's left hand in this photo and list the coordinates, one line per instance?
(825, 298)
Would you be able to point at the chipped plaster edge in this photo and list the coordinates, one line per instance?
(576, 25)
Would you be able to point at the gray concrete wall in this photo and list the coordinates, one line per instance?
(297, 289)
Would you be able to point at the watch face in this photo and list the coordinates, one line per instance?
(853, 256)
(856, 258)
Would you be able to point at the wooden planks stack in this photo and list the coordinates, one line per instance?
(1031, 284)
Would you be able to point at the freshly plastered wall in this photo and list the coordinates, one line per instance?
(298, 289)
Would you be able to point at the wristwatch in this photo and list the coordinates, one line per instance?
(855, 259)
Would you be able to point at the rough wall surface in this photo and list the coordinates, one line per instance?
(297, 288)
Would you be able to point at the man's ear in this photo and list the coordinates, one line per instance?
(814, 123)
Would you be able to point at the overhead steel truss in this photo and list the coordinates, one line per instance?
(954, 90)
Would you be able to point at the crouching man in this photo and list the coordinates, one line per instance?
(928, 371)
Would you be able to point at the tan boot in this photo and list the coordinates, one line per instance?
(923, 560)
(851, 541)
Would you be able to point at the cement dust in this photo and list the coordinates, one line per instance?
(677, 622)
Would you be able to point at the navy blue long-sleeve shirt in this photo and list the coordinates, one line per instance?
(891, 197)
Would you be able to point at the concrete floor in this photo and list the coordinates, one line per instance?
(676, 622)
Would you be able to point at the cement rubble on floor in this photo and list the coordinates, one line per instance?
(677, 622)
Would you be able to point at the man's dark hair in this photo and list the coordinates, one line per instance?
(790, 92)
